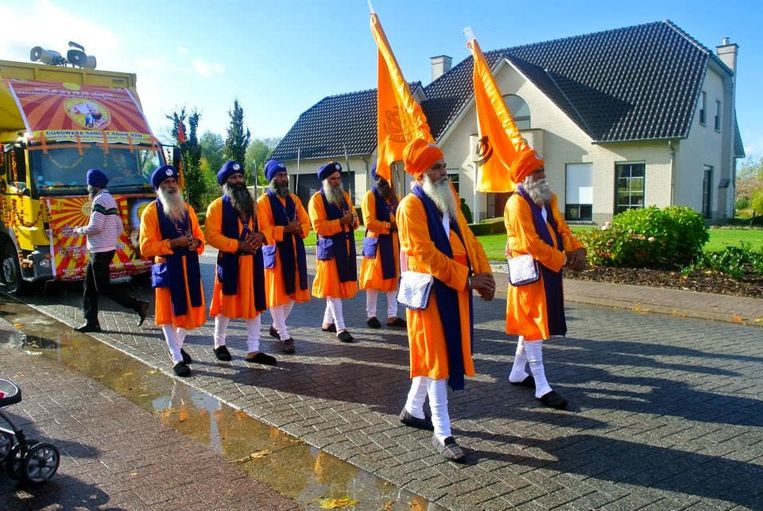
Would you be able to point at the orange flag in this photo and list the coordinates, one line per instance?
(504, 156)
(399, 117)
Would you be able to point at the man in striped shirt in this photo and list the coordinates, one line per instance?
(102, 232)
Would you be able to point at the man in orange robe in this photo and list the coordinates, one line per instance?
(170, 233)
(285, 223)
(239, 292)
(436, 240)
(336, 271)
(535, 311)
(380, 267)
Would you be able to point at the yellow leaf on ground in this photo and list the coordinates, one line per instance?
(337, 503)
(254, 456)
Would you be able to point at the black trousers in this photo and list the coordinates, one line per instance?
(98, 282)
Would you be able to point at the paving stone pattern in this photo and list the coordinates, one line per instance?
(666, 411)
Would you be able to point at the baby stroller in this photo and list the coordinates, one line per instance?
(26, 460)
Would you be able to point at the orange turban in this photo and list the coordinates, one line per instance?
(526, 162)
(419, 156)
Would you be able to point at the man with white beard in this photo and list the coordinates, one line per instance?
(170, 233)
(535, 311)
(239, 292)
(436, 240)
(336, 272)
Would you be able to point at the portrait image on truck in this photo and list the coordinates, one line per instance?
(56, 123)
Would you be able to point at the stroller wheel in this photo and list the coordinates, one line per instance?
(40, 463)
(6, 444)
(13, 462)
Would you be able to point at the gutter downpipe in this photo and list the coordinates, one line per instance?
(672, 173)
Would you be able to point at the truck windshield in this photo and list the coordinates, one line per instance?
(62, 169)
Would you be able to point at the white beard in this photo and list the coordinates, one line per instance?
(538, 190)
(334, 194)
(441, 194)
(173, 204)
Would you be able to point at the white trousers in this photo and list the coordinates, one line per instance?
(372, 298)
(334, 314)
(280, 313)
(437, 390)
(175, 338)
(252, 332)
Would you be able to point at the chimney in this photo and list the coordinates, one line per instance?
(440, 65)
(727, 52)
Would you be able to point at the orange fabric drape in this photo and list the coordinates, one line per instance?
(399, 117)
(505, 157)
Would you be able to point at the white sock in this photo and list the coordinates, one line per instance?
(221, 324)
(438, 403)
(391, 304)
(253, 334)
(416, 396)
(372, 297)
(518, 372)
(170, 335)
(279, 314)
(534, 351)
(328, 318)
(336, 312)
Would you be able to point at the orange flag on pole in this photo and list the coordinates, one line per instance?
(504, 156)
(399, 117)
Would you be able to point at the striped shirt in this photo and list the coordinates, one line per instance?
(105, 224)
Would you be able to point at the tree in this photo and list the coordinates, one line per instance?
(749, 185)
(238, 138)
(257, 154)
(190, 150)
(212, 147)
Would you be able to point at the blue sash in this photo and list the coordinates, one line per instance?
(282, 216)
(447, 298)
(177, 280)
(344, 259)
(383, 210)
(552, 281)
(227, 262)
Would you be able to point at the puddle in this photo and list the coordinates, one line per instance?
(313, 478)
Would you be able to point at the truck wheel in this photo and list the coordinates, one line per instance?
(10, 271)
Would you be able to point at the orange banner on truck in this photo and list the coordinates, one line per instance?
(69, 251)
(68, 112)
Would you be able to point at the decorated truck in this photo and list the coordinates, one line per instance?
(56, 123)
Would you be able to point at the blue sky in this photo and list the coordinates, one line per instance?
(281, 57)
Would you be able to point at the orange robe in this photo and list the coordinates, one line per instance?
(371, 276)
(241, 305)
(526, 305)
(326, 283)
(426, 339)
(152, 244)
(275, 290)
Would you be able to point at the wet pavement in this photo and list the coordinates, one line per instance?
(666, 410)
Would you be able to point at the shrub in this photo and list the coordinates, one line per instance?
(648, 237)
(735, 261)
(466, 211)
(742, 203)
(756, 203)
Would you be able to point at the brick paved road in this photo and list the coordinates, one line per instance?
(666, 412)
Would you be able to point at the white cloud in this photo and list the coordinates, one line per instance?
(207, 69)
(182, 51)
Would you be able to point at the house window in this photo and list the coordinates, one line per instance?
(579, 196)
(717, 116)
(519, 110)
(629, 186)
(707, 191)
(454, 176)
(703, 108)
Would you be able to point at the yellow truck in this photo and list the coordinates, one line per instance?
(56, 123)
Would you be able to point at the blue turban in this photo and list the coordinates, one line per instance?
(374, 175)
(273, 167)
(328, 169)
(162, 173)
(96, 177)
(229, 168)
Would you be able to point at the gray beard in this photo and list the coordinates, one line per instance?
(240, 199)
(334, 194)
(279, 190)
(440, 194)
(538, 190)
(173, 204)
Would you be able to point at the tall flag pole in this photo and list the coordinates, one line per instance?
(501, 149)
(400, 118)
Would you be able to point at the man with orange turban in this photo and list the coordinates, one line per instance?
(436, 240)
(170, 233)
(239, 292)
(284, 222)
(535, 311)
(336, 271)
(380, 268)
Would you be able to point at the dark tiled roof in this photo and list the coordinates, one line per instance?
(633, 83)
